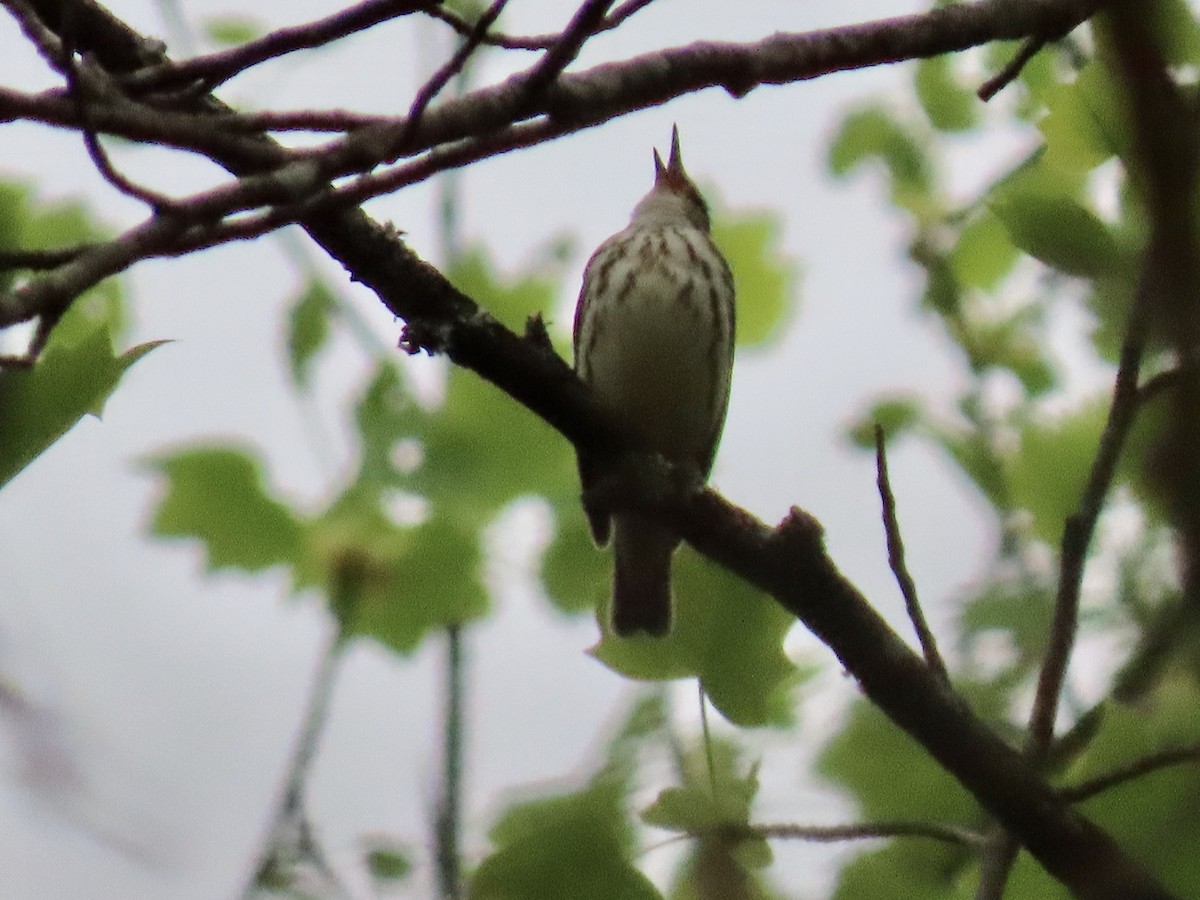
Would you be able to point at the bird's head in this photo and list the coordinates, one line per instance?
(674, 198)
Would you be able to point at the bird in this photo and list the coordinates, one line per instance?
(653, 340)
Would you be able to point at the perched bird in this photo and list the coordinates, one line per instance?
(654, 333)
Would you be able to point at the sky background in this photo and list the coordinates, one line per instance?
(179, 696)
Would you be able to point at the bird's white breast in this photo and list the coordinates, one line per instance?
(655, 340)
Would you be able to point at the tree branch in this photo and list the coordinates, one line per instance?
(1147, 765)
(860, 831)
(216, 68)
(895, 547)
(1081, 525)
(535, 42)
(1167, 162)
(603, 92)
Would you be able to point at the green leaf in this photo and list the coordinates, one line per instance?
(308, 328)
(978, 461)
(943, 294)
(216, 494)
(511, 300)
(231, 30)
(1087, 121)
(1176, 31)
(1016, 344)
(764, 279)
(408, 580)
(1035, 78)
(387, 862)
(1022, 608)
(1047, 474)
(470, 10)
(386, 416)
(911, 786)
(482, 449)
(900, 871)
(707, 799)
(983, 253)
(577, 576)
(566, 847)
(872, 134)
(907, 785)
(895, 415)
(1057, 230)
(76, 374)
(26, 224)
(727, 634)
(1110, 301)
(949, 105)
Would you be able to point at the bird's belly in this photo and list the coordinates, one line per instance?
(655, 366)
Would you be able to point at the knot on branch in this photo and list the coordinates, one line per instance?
(798, 529)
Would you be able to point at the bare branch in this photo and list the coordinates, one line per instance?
(583, 25)
(858, 831)
(1168, 163)
(1080, 526)
(48, 44)
(593, 96)
(535, 42)
(209, 135)
(1147, 765)
(1012, 70)
(214, 69)
(452, 67)
(195, 221)
(895, 546)
(95, 150)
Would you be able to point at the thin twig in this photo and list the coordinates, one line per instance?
(191, 229)
(951, 834)
(314, 120)
(996, 861)
(48, 44)
(216, 68)
(584, 24)
(1147, 765)
(1080, 525)
(603, 92)
(452, 67)
(449, 809)
(290, 841)
(159, 202)
(895, 548)
(1012, 70)
(1167, 160)
(1076, 539)
(533, 42)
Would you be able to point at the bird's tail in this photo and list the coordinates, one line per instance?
(642, 577)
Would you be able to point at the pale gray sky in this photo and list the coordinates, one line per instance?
(180, 695)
